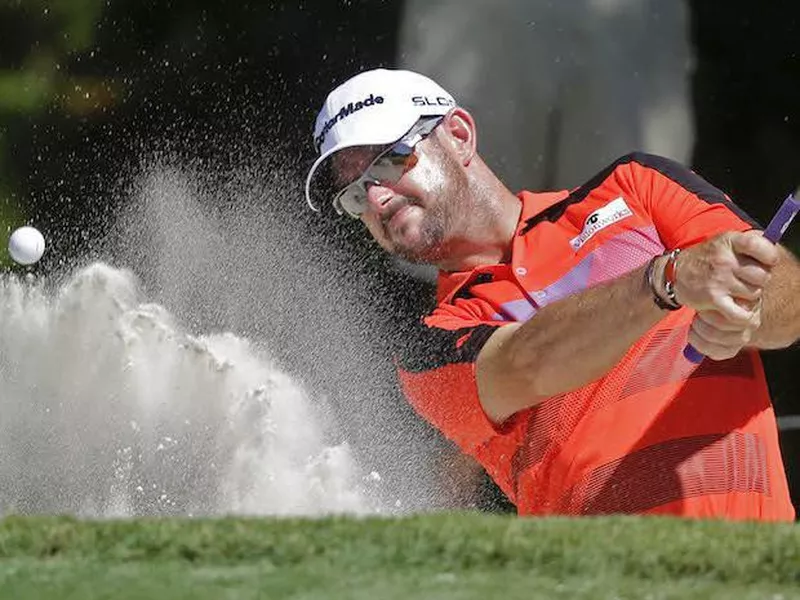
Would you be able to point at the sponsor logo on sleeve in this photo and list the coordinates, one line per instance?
(614, 211)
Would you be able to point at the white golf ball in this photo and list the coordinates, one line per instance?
(26, 245)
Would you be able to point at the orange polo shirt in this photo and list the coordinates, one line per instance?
(657, 434)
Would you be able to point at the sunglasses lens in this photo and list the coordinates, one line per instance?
(352, 199)
(390, 166)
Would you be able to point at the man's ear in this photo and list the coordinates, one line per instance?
(459, 127)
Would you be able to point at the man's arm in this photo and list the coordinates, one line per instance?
(566, 345)
(578, 339)
(780, 320)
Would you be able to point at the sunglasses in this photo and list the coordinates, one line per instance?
(389, 166)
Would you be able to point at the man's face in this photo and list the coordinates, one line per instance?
(413, 217)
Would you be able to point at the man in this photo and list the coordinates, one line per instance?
(555, 354)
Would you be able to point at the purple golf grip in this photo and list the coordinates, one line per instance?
(777, 226)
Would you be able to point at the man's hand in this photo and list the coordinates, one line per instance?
(719, 338)
(723, 279)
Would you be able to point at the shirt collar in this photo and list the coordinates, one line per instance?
(449, 283)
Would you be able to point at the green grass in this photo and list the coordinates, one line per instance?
(443, 556)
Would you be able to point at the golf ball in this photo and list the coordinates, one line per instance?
(26, 245)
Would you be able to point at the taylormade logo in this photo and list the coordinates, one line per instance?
(614, 211)
(345, 112)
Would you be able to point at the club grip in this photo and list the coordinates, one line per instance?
(783, 218)
(777, 226)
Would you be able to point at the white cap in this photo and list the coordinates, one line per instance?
(375, 107)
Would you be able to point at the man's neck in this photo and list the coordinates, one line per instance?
(488, 236)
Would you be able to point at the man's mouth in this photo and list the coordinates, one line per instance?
(400, 206)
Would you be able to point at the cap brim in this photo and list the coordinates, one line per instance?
(320, 167)
(322, 164)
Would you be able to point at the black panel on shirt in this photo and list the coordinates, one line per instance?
(427, 348)
(683, 176)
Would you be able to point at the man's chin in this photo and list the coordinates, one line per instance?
(416, 245)
(419, 253)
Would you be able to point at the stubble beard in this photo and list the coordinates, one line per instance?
(439, 218)
(429, 246)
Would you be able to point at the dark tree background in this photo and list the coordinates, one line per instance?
(86, 87)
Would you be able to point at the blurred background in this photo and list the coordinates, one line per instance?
(112, 109)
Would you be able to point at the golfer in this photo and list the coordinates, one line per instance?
(555, 354)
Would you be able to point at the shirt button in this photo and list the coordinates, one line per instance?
(521, 271)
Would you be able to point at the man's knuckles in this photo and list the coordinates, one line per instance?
(712, 350)
(726, 337)
(755, 245)
(717, 320)
(753, 273)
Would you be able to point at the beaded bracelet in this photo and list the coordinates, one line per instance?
(657, 299)
(671, 276)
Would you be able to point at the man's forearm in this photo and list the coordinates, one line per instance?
(780, 314)
(579, 339)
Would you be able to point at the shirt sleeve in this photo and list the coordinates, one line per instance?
(437, 374)
(685, 208)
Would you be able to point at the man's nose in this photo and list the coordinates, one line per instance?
(378, 195)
